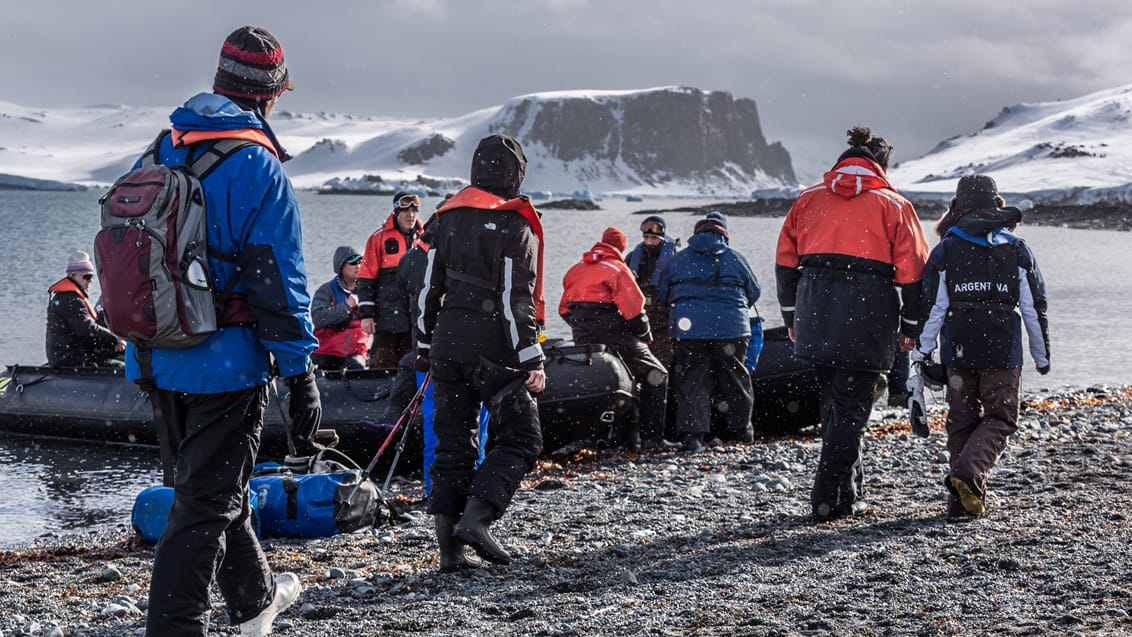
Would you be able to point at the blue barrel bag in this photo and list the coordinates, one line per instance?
(314, 496)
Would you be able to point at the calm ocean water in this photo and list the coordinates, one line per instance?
(53, 487)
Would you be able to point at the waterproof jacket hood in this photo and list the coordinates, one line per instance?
(854, 176)
(602, 251)
(987, 227)
(708, 243)
(341, 253)
(499, 166)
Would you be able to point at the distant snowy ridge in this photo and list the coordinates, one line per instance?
(667, 140)
(1070, 152)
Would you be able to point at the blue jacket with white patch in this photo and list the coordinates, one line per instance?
(709, 288)
(253, 217)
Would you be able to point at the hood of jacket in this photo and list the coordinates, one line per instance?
(341, 253)
(209, 112)
(708, 243)
(854, 176)
(499, 166)
(987, 227)
(602, 251)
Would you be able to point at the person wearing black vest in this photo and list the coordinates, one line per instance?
(481, 313)
(981, 287)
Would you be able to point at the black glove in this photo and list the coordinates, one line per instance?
(421, 363)
(1043, 370)
(306, 406)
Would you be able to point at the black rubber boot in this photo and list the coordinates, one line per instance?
(453, 557)
(472, 530)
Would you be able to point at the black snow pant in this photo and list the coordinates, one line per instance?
(514, 434)
(649, 373)
(210, 441)
(703, 370)
(847, 401)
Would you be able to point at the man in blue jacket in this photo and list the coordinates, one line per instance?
(209, 399)
(709, 288)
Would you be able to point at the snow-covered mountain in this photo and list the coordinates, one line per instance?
(1072, 151)
(668, 140)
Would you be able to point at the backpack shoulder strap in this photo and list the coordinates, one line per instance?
(215, 154)
(149, 158)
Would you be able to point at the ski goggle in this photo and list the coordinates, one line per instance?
(653, 231)
(408, 201)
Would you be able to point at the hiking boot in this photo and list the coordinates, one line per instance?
(472, 529)
(955, 510)
(825, 511)
(287, 589)
(972, 503)
(693, 443)
(453, 553)
(898, 399)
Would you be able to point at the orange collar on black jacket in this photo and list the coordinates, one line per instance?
(68, 284)
(472, 197)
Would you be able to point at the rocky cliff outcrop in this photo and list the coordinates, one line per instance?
(649, 138)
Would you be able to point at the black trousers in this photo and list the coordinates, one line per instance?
(514, 436)
(847, 401)
(703, 370)
(649, 373)
(210, 441)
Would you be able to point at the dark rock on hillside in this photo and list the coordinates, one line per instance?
(568, 204)
(682, 134)
(426, 149)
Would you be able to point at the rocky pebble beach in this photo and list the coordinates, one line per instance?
(713, 543)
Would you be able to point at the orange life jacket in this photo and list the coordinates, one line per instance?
(68, 284)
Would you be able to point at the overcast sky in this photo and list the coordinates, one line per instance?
(916, 71)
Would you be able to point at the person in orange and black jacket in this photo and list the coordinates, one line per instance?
(603, 304)
(845, 247)
(384, 311)
(481, 313)
(342, 343)
(74, 335)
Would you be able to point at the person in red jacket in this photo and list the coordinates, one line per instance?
(846, 246)
(602, 303)
(384, 310)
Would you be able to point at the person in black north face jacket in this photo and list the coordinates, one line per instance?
(481, 312)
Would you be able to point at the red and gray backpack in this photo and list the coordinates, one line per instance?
(152, 252)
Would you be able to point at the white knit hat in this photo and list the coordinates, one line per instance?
(79, 262)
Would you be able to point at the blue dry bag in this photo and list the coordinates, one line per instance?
(318, 498)
(151, 512)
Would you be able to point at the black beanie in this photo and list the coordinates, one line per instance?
(251, 66)
(976, 192)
